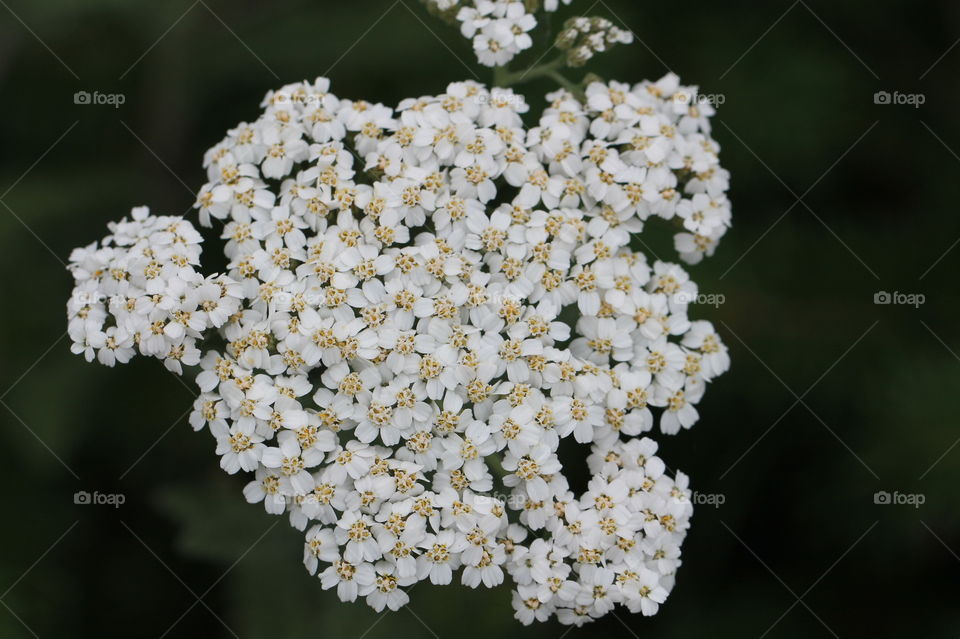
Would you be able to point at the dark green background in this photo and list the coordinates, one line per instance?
(876, 384)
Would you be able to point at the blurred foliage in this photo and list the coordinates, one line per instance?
(798, 278)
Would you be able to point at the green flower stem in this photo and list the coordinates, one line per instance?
(503, 77)
(569, 85)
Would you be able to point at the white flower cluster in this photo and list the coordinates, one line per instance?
(420, 303)
(140, 290)
(499, 29)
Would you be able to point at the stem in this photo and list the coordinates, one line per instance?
(503, 77)
(572, 87)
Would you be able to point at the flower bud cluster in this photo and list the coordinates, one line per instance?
(582, 38)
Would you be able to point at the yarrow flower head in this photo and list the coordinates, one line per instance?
(419, 303)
